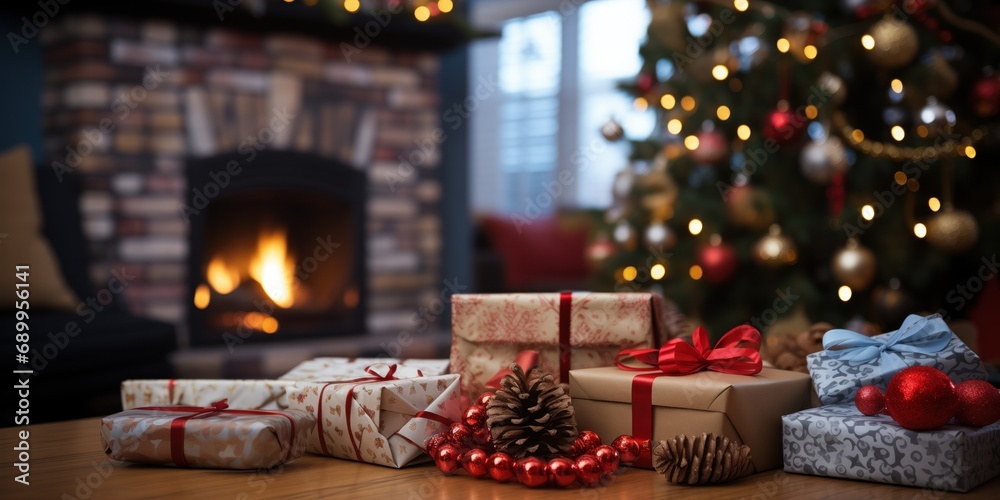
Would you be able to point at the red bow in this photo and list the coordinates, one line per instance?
(737, 352)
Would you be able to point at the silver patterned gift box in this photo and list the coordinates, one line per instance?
(838, 441)
(874, 360)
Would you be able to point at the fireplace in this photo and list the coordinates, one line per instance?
(277, 247)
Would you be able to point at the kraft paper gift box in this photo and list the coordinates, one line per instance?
(382, 421)
(242, 394)
(226, 439)
(838, 441)
(851, 360)
(569, 331)
(327, 368)
(746, 408)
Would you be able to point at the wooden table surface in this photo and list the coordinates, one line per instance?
(67, 462)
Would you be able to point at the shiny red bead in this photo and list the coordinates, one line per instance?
(483, 437)
(446, 458)
(484, 399)
(474, 417)
(474, 462)
(530, 472)
(560, 471)
(628, 448)
(588, 441)
(588, 470)
(609, 458)
(459, 434)
(500, 467)
(434, 442)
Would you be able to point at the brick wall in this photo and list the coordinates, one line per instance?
(127, 101)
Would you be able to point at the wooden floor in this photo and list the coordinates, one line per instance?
(67, 462)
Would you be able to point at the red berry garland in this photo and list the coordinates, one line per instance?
(466, 444)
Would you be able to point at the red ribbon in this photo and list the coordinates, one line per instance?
(222, 406)
(565, 315)
(525, 359)
(170, 390)
(388, 377)
(737, 352)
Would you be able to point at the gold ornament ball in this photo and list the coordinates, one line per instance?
(952, 231)
(854, 266)
(749, 207)
(896, 43)
(890, 306)
(775, 250)
(612, 131)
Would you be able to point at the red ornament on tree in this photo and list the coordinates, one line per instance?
(921, 398)
(712, 148)
(588, 470)
(978, 403)
(717, 261)
(500, 466)
(560, 471)
(783, 127)
(644, 83)
(985, 96)
(870, 400)
(531, 472)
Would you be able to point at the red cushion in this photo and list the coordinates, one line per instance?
(542, 252)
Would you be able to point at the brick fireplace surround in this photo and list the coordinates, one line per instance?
(127, 101)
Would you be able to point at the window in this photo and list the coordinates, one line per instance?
(558, 73)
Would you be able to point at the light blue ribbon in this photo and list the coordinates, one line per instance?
(925, 335)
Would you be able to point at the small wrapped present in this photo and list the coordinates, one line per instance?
(329, 368)
(736, 397)
(242, 394)
(379, 419)
(212, 436)
(569, 331)
(852, 360)
(838, 441)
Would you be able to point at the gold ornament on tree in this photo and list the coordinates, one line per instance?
(895, 43)
(952, 230)
(612, 131)
(531, 415)
(775, 250)
(701, 460)
(854, 265)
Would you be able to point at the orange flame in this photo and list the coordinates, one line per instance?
(273, 267)
(222, 278)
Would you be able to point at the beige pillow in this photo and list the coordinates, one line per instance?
(21, 241)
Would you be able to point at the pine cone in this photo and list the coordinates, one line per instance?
(531, 415)
(701, 460)
(790, 352)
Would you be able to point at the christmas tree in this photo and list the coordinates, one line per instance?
(836, 158)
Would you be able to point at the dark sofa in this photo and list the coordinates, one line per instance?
(80, 357)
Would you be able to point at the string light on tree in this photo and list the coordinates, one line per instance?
(422, 13)
(844, 292)
(658, 271)
(695, 227)
(352, 5)
(741, 5)
(868, 212)
(934, 204)
(668, 101)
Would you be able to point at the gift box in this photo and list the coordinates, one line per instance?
(213, 436)
(838, 441)
(242, 394)
(851, 360)
(329, 368)
(378, 419)
(569, 331)
(746, 408)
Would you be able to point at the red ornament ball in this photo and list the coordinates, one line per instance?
(644, 83)
(434, 442)
(474, 462)
(531, 472)
(712, 147)
(870, 400)
(560, 471)
(921, 398)
(474, 416)
(588, 469)
(588, 441)
(985, 96)
(609, 458)
(500, 467)
(783, 127)
(447, 458)
(459, 434)
(483, 437)
(484, 399)
(978, 403)
(718, 262)
(628, 448)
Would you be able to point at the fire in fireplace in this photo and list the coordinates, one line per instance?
(278, 251)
